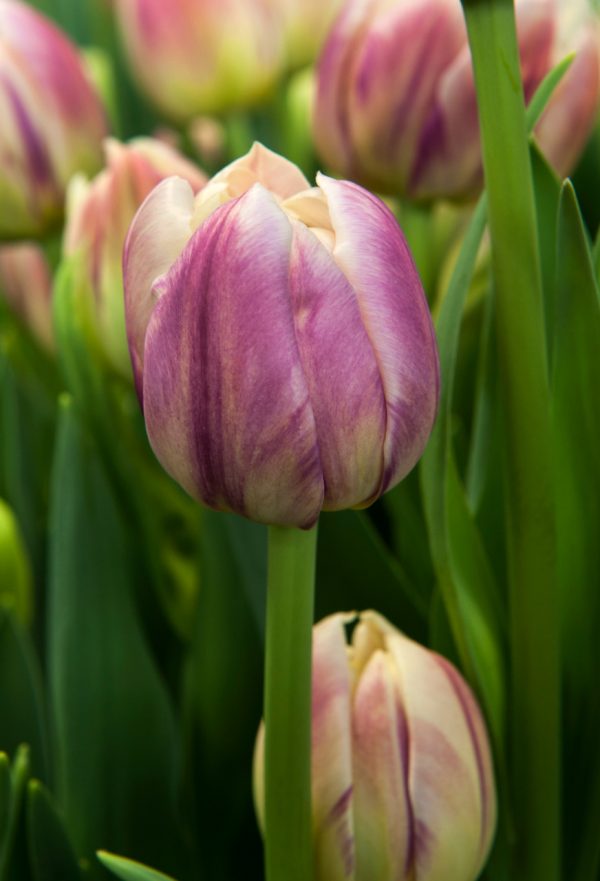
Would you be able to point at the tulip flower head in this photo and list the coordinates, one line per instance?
(402, 779)
(195, 57)
(99, 213)
(396, 106)
(281, 343)
(26, 285)
(52, 121)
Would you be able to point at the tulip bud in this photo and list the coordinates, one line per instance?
(52, 121)
(15, 571)
(193, 57)
(396, 106)
(402, 780)
(98, 216)
(26, 285)
(306, 23)
(280, 341)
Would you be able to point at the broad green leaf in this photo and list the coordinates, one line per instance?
(51, 855)
(22, 711)
(129, 870)
(575, 384)
(116, 743)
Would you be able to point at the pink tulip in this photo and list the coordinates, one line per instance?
(52, 121)
(195, 57)
(402, 780)
(99, 213)
(396, 106)
(26, 285)
(280, 341)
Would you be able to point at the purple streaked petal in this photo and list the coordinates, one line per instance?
(372, 252)
(332, 788)
(341, 372)
(383, 814)
(225, 398)
(444, 768)
(158, 234)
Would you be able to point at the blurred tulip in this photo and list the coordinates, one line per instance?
(305, 24)
(402, 779)
(52, 121)
(98, 216)
(16, 591)
(194, 57)
(280, 340)
(26, 285)
(396, 105)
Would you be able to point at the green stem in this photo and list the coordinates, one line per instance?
(535, 710)
(290, 603)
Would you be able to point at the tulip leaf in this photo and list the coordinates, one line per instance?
(575, 384)
(129, 870)
(5, 796)
(51, 855)
(116, 744)
(13, 856)
(22, 712)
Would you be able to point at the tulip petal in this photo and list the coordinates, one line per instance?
(263, 166)
(332, 787)
(445, 763)
(372, 252)
(156, 237)
(381, 751)
(341, 371)
(225, 399)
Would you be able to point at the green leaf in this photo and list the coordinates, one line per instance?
(129, 870)
(22, 711)
(5, 796)
(575, 384)
(13, 857)
(15, 571)
(51, 855)
(116, 743)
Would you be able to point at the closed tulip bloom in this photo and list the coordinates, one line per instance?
(52, 121)
(280, 340)
(26, 285)
(99, 212)
(306, 24)
(396, 105)
(202, 56)
(402, 779)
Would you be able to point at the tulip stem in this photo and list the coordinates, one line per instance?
(535, 710)
(287, 704)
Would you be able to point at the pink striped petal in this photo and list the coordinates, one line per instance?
(332, 787)
(157, 235)
(383, 814)
(371, 251)
(225, 399)
(449, 765)
(341, 371)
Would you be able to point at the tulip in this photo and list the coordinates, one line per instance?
(193, 57)
(402, 780)
(280, 340)
(396, 105)
(52, 121)
(305, 24)
(26, 285)
(99, 213)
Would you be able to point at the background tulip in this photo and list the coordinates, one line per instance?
(396, 105)
(280, 340)
(52, 121)
(98, 216)
(402, 779)
(305, 24)
(197, 56)
(26, 285)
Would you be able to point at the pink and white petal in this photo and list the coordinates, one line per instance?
(341, 371)
(372, 252)
(225, 399)
(381, 752)
(156, 238)
(263, 166)
(332, 785)
(450, 805)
